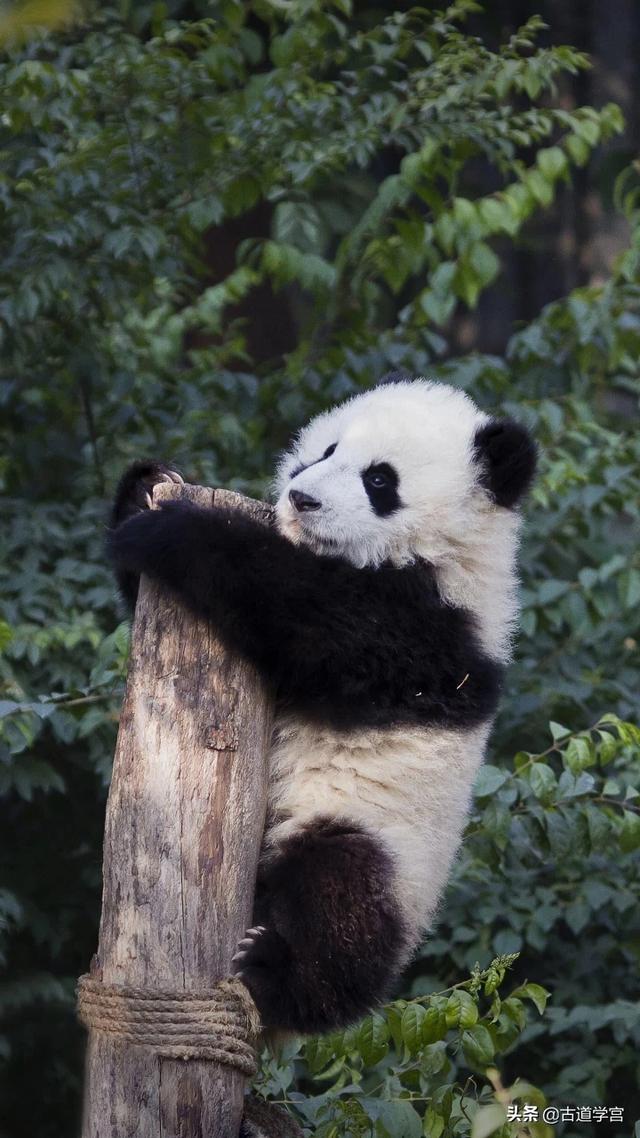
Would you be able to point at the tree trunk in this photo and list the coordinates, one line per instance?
(183, 829)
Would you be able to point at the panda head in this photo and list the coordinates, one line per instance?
(408, 469)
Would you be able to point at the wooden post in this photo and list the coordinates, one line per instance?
(184, 823)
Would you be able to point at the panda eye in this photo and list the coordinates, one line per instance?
(377, 480)
(381, 482)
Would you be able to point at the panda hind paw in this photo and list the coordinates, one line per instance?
(261, 948)
(249, 952)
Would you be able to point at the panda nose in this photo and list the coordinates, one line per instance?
(302, 501)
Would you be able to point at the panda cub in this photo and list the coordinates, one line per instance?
(381, 609)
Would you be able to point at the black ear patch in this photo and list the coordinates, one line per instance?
(507, 456)
(395, 377)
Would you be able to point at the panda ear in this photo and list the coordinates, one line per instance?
(507, 456)
(394, 377)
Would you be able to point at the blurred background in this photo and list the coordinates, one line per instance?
(217, 218)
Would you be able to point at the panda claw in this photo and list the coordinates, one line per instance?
(245, 946)
(149, 500)
(171, 476)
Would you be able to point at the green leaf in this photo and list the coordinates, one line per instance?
(577, 915)
(434, 1058)
(539, 186)
(629, 588)
(484, 263)
(373, 1039)
(478, 1046)
(494, 214)
(550, 591)
(434, 1025)
(6, 635)
(461, 1010)
(589, 130)
(514, 1009)
(552, 161)
(598, 827)
(534, 992)
(437, 306)
(394, 1014)
(465, 214)
(579, 753)
(578, 149)
(559, 833)
(319, 1052)
(488, 780)
(400, 1120)
(543, 781)
(413, 1019)
(630, 832)
(434, 1123)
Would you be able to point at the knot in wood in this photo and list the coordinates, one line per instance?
(222, 736)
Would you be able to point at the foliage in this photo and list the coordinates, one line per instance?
(553, 832)
(392, 1074)
(564, 374)
(121, 151)
(131, 147)
(19, 21)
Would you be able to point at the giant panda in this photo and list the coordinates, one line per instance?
(381, 608)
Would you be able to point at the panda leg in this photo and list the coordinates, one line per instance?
(329, 937)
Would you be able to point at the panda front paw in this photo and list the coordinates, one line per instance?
(135, 489)
(158, 542)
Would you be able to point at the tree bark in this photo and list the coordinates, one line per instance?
(184, 823)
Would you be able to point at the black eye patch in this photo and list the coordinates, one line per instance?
(380, 481)
(305, 466)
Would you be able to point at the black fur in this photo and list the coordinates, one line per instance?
(384, 498)
(267, 1120)
(137, 481)
(343, 646)
(305, 465)
(507, 455)
(334, 935)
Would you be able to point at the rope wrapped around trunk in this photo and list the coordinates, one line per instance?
(219, 1023)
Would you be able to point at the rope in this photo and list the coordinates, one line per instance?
(217, 1023)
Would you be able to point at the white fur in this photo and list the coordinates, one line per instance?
(426, 431)
(409, 786)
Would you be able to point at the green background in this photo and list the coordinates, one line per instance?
(218, 219)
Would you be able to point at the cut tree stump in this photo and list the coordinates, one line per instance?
(184, 824)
